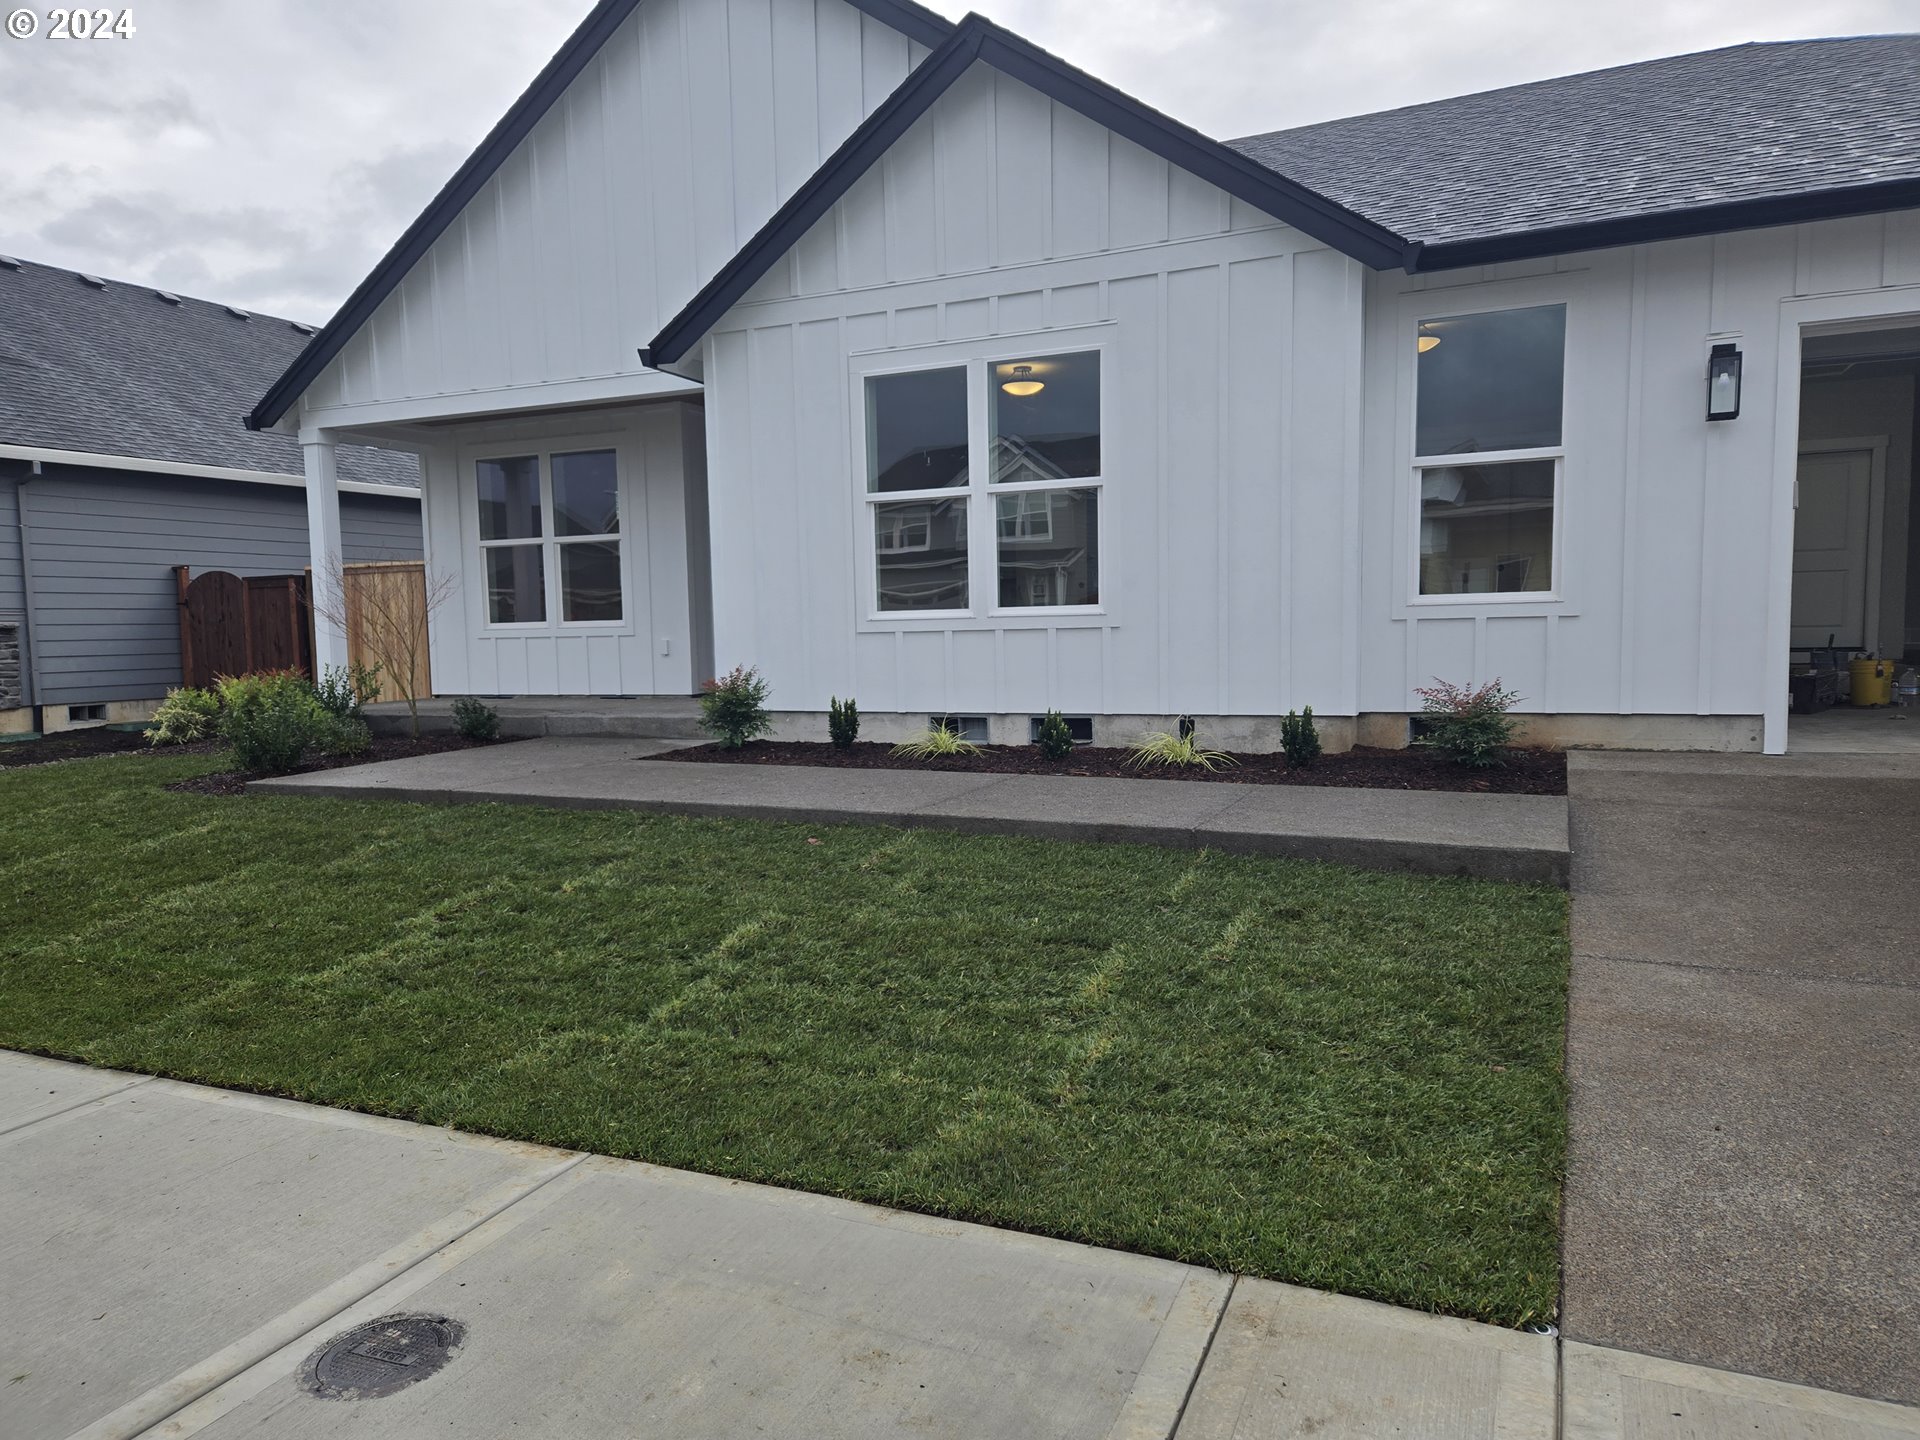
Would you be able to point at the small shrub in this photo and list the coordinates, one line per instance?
(475, 719)
(733, 708)
(1164, 748)
(1300, 739)
(270, 721)
(1055, 739)
(935, 743)
(186, 715)
(343, 735)
(1471, 726)
(843, 722)
(344, 690)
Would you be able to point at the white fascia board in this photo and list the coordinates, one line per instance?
(478, 404)
(197, 472)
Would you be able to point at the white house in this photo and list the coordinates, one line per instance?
(907, 362)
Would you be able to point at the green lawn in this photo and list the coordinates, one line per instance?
(1343, 1079)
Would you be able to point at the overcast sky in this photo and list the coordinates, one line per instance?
(266, 152)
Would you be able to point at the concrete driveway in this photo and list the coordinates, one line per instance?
(1744, 1039)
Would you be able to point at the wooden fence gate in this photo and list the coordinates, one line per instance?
(231, 625)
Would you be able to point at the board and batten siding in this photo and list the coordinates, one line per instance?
(104, 543)
(679, 139)
(661, 645)
(1001, 222)
(1667, 521)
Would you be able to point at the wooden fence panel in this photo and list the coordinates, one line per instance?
(387, 625)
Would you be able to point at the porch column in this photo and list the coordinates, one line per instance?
(323, 551)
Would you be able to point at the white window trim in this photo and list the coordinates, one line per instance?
(979, 492)
(1414, 315)
(543, 448)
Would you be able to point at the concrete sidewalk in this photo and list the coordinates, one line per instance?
(1502, 837)
(173, 1255)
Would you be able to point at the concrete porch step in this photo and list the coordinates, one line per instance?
(640, 717)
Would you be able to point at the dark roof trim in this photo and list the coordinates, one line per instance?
(979, 39)
(1668, 225)
(913, 20)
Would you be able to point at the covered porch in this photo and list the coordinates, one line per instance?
(566, 550)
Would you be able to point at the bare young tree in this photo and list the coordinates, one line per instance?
(385, 608)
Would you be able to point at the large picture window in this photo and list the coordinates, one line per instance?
(1017, 521)
(550, 537)
(1488, 415)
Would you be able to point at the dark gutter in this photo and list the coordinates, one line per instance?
(914, 21)
(977, 38)
(1668, 225)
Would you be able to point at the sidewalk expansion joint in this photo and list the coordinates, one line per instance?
(64, 1110)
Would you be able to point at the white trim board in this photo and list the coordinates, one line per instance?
(1895, 304)
(195, 472)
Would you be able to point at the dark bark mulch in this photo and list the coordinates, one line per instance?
(1526, 771)
(69, 745)
(385, 747)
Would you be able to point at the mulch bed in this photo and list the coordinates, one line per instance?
(385, 747)
(1526, 771)
(69, 745)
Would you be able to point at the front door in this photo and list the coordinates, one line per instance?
(1832, 528)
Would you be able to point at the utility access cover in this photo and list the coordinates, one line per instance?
(381, 1356)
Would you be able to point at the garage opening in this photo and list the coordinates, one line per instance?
(1856, 548)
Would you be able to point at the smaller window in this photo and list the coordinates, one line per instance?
(967, 727)
(1080, 727)
(85, 714)
(1491, 381)
(1046, 418)
(1487, 529)
(586, 525)
(920, 558)
(917, 430)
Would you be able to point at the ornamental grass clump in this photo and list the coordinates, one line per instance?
(935, 744)
(1470, 726)
(1170, 749)
(733, 708)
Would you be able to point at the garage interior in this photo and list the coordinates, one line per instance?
(1856, 552)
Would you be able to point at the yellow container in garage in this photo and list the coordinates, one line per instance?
(1872, 682)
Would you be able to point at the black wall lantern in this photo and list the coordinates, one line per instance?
(1723, 383)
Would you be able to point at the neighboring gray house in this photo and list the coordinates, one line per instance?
(122, 455)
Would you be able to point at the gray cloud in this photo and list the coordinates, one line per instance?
(267, 152)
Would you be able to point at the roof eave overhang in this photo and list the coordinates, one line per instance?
(977, 39)
(911, 19)
(1757, 214)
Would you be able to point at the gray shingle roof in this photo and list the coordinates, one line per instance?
(1751, 122)
(122, 371)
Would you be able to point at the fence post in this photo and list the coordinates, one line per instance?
(186, 627)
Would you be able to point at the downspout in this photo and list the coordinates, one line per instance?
(29, 637)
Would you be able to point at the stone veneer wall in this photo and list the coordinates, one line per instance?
(12, 692)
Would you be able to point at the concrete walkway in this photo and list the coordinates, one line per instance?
(1503, 837)
(1744, 1038)
(172, 1255)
